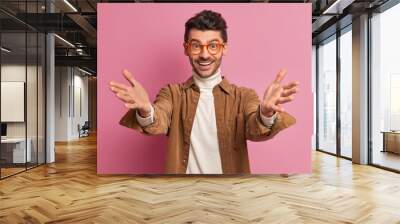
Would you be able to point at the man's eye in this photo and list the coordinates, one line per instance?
(213, 46)
(195, 45)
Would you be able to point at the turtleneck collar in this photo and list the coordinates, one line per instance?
(209, 82)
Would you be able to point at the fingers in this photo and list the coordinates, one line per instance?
(117, 90)
(125, 98)
(114, 86)
(286, 99)
(281, 75)
(122, 95)
(129, 77)
(291, 85)
(120, 92)
(288, 92)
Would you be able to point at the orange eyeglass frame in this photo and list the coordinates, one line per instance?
(206, 45)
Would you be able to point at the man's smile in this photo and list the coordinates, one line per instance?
(205, 65)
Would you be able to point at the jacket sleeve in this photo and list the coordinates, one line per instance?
(255, 128)
(162, 115)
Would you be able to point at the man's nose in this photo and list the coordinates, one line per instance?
(204, 52)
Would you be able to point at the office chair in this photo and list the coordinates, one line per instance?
(84, 130)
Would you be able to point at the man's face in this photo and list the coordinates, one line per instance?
(205, 61)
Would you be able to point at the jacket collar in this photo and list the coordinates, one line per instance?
(224, 84)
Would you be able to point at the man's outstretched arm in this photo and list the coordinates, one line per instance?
(143, 116)
(264, 120)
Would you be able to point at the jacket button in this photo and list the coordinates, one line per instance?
(184, 160)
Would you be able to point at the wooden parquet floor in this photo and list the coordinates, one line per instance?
(70, 191)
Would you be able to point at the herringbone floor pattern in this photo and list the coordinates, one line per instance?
(70, 191)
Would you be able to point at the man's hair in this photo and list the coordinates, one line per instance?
(207, 20)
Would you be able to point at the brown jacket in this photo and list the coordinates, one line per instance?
(237, 116)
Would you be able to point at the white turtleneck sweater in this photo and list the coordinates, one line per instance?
(204, 154)
(204, 157)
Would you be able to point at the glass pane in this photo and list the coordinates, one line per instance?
(13, 88)
(41, 98)
(22, 87)
(386, 89)
(327, 96)
(31, 100)
(346, 94)
(314, 91)
(32, 85)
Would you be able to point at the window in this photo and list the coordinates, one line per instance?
(385, 88)
(346, 95)
(327, 95)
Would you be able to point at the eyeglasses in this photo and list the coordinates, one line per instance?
(195, 47)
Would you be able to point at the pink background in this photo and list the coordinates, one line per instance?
(147, 40)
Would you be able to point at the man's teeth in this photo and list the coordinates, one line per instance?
(205, 63)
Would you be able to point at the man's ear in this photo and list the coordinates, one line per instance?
(225, 49)
(185, 49)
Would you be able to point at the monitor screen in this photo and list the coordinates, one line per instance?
(3, 129)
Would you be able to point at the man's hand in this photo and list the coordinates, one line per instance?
(277, 94)
(134, 96)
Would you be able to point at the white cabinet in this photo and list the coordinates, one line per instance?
(17, 145)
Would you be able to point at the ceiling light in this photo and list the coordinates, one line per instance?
(84, 71)
(70, 5)
(5, 50)
(64, 40)
(337, 7)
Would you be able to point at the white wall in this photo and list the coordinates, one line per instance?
(71, 93)
(81, 102)
(62, 78)
(15, 72)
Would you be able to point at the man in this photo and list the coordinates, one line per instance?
(207, 119)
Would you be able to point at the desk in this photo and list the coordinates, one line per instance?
(13, 150)
(391, 141)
